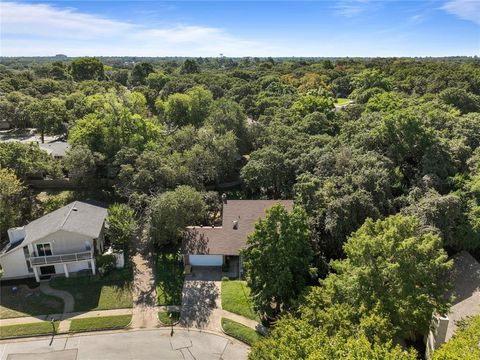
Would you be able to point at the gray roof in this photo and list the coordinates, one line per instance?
(466, 290)
(77, 217)
(226, 240)
(55, 148)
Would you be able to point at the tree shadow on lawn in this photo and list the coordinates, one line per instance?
(92, 292)
(169, 279)
(20, 299)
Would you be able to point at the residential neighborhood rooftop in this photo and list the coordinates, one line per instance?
(80, 217)
(238, 220)
(466, 290)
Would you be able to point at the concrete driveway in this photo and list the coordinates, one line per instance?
(200, 298)
(128, 345)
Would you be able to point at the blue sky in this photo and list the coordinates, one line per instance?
(241, 28)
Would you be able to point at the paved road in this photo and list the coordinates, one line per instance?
(140, 344)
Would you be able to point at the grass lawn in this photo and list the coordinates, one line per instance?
(95, 293)
(38, 328)
(169, 280)
(240, 332)
(100, 323)
(235, 298)
(168, 318)
(27, 302)
(342, 101)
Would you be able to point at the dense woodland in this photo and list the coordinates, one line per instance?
(387, 187)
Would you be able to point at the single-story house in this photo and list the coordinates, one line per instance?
(465, 277)
(56, 149)
(214, 246)
(61, 242)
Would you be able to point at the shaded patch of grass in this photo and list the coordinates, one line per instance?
(342, 101)
(27, 302)
(96, 293)
(235, 298)
(240, 332)
(168, 317)
(169, 280)
(100, 323)
(38, 328)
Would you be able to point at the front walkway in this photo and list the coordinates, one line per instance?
(68, 300)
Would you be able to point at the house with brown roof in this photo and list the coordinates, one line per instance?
(221, 245)
(465, 278)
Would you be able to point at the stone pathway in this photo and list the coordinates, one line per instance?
(68, 300)
(145, 312)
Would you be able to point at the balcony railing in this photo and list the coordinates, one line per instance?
(59, 259)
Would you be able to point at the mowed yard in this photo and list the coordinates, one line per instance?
(113, 291)
(25, 301)
(236, 299)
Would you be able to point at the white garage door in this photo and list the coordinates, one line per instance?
(206, 260)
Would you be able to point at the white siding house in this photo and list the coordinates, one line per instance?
(61, 242)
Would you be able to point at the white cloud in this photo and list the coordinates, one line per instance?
(350, 8)
(416, 19)
(40, 29)
(464, 9)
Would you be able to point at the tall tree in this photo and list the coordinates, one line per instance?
(121, 226)
(172, 211)
(395, 268)
(10, 193)
(87, 69)
(277, 259)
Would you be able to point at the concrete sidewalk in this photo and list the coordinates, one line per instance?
(66, 316)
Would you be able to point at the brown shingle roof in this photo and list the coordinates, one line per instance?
(226, 240)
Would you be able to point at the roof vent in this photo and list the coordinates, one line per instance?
(235, 224)
(213, 226)
(74, 209)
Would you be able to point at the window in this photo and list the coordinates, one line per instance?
(44, 249)
(27, 258)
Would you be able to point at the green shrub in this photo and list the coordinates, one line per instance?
(106, 264)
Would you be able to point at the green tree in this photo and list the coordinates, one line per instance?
(396, 269)
(337, 332)
(121, 226)
(140, 72)
(48, 115)
(25, 159)
(177, 109)
(156, 80)
(200, 101)
(269, 172)
(87, 69)
(10, 196)
(82, 165)
(172, 211)
(189, 66)
(277, 259)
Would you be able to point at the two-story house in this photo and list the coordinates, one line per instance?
(61, 242)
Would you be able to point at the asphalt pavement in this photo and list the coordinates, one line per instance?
(127, 345)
